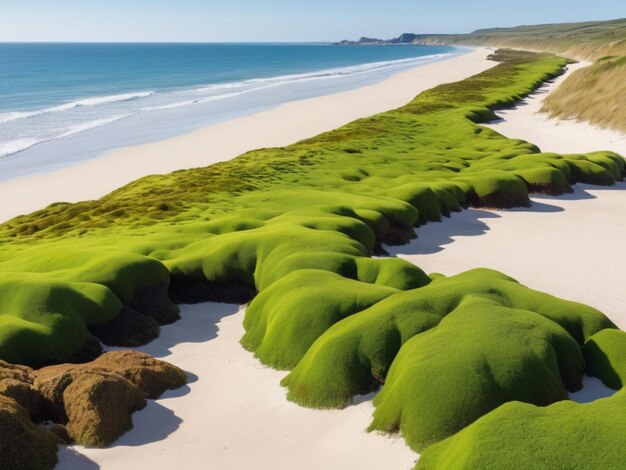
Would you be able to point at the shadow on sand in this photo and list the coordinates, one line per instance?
(593, 389)
(69, 459)
(434, 236)
(198, 324)
(152, 424)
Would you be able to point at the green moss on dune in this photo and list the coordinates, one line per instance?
(562, 435)
(487, 310)
(433, 140)
(45, 320)
(287, 317)
(481, 355)
(521, 436)
(605, 353)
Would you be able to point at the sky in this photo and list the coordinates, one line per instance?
(277, 20)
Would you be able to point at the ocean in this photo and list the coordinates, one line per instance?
(62, 103)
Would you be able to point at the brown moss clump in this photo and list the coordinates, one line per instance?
(90, 404)
(17, 382)
(150, 375)
(23, 444)
(96, 405)
(95, 400)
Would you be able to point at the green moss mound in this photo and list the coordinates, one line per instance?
(521, 436)
(496, 340)
(562, 435)
(605, 353)
(483, 354)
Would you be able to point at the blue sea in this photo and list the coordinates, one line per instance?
(62, 103)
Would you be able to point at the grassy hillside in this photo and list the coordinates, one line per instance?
(298, 225)
(597, 93)
(590, 40)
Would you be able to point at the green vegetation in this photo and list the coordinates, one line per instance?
(447, 354)
(519, 436)
(563, 435)
(299, 225)
(497, 340)
(605, 353)
(596, 93)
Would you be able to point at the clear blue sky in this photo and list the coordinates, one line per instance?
(277, 20)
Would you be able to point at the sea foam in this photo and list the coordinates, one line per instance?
(87, 102)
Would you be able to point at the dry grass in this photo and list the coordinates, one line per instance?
(596, 94)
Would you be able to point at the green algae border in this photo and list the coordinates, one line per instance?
(298, 225)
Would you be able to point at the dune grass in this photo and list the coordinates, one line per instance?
(596, 94)
(299, 225)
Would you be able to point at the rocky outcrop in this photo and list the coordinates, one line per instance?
(404, 38)
(361, 41)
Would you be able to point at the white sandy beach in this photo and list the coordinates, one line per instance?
(234, 414)
(279, 126)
